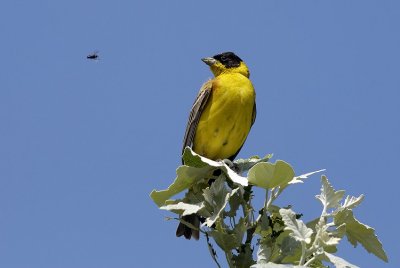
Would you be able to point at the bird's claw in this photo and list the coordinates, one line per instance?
(231, 165)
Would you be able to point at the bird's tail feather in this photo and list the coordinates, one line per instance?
(186, 231)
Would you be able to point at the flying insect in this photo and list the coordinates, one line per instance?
(93, 56)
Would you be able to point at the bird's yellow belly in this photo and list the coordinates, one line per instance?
(227, 118)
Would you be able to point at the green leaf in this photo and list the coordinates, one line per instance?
(196, 160)
(329, 197)
(192, 159)
(268, 175)
(299, 230)
(217, 196)
(290, 248)
(228, 239)
(358, 232)
(245, 164)
(234, 203)
(263, 227)
(240, 229)
(312, 224)
(184, 208)
(186, 177)
(245, 257)
(224, 240)
(339, 262)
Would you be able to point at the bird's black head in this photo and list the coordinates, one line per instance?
(228, 59)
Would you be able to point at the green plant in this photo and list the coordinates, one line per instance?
(222, 197)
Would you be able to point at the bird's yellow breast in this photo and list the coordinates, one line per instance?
(227, 117)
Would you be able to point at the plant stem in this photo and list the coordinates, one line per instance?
(228, 255)
(303, 253)
(212, 251)
(266, 202)
(309, 261)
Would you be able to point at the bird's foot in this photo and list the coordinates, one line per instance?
(231, 165)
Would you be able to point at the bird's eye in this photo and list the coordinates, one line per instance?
(223, 58)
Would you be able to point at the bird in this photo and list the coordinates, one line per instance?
(220, 119)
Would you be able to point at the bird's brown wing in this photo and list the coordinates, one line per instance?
(195, 114)
(254, 115)
(194, 118)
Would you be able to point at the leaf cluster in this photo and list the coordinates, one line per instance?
(222, 196)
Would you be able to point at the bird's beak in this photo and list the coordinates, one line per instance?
(209, 61)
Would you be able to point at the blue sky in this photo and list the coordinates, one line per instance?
(82, 143)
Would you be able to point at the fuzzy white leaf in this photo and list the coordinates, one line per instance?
(200, 161)
(351, 201)
(187, 209)
(235, 177)
(299, 230)
(263, 253)
(329, 197)
(358, 232)
(324, 236)
(273, 265)
(301, 178)
(339, 262)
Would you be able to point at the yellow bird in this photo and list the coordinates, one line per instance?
(221, 117)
